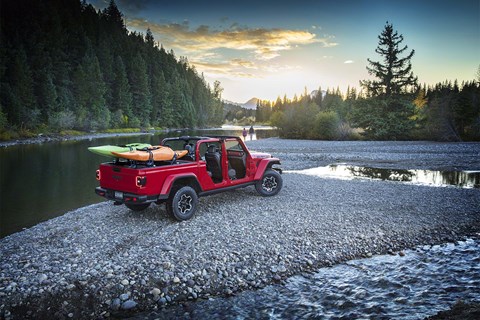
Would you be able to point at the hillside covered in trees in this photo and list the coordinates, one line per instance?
(64, 65)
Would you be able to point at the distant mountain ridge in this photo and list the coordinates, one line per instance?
(250, 104)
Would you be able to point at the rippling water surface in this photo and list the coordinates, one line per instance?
(417, 285)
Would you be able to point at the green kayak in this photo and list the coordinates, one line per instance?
(107, 150)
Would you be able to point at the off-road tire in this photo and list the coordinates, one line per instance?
(137, 207)
(183, 203)
(270, 184)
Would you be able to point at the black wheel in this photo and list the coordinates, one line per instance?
(183, 203)
(137, 207)
(270, 184)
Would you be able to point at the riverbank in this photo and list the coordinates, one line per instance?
(104, 260)
(51, 137)
(57, 137)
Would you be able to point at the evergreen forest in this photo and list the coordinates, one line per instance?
(66, 66)
(392, 106)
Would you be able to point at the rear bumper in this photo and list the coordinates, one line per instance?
(124, 197)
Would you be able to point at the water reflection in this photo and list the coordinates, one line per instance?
(464, 179)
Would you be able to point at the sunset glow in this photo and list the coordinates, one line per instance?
(274, 48)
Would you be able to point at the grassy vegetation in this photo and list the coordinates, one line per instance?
(72, 133)
(122, 130)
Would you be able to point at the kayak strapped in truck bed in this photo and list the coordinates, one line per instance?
(154, 153)
(139, 152)
(108, 149)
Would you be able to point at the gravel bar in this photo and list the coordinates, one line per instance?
(106, 261)
(424, 155)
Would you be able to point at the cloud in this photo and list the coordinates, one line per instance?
(131, 6)
(348, 61)
(229, 69)
(240, 68)
(265, 43)
(243, 63)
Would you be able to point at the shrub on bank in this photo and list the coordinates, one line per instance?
(327, 125)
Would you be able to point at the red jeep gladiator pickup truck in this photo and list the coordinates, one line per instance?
(212, 164)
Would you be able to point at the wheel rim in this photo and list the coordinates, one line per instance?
(185, 203)
(269, 184)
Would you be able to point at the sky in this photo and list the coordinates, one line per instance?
(267, 49)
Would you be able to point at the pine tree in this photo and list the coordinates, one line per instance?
(23, 100)
(278, 105)
(90, 94)
(139, 84)
(47, 94)
(318, 97)
(149, 38)
(217, 105)
(394, 74)
(259, 112)
(121, 95)
(113, 15)
(388, 112)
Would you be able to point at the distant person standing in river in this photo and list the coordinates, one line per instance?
(244, 134)
(251, 131)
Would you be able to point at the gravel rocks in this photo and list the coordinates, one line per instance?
(427, 155)
(104, 259)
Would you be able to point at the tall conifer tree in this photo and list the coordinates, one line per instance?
(394, 74)
(121, 95)
(388, 112)
(141, 103)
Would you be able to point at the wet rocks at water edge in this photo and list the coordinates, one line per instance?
(106, 260)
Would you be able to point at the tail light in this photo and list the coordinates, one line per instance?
(141, 181)
(97, 175)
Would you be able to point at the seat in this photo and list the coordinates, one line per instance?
(232, 173)
(191, 152)
(238, 163)
(214, 164)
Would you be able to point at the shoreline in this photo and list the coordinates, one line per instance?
(49, 137)
(58, 138)
(104, 260)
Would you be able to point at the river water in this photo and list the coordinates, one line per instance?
(414, 286)
(42, 181)
(434, 178)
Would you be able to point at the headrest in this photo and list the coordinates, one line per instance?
(212, 148)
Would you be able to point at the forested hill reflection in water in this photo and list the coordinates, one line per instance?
(464, 179)
(414, 286)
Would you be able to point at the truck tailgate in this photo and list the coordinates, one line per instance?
(119, 178)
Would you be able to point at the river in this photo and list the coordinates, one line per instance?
(415, 285)
(42, 181)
